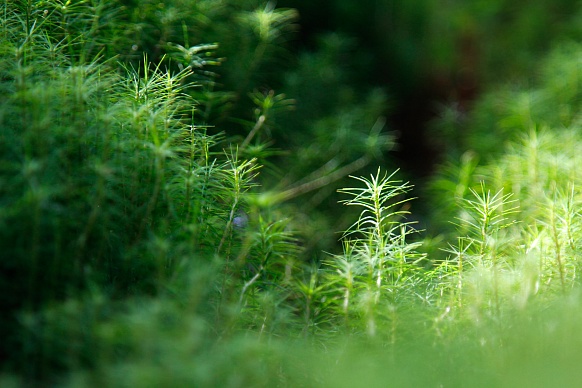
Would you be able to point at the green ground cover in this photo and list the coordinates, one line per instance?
(188, 200)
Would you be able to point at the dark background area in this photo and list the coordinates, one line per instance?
(429, 55)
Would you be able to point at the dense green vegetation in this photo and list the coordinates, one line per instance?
(190, 194)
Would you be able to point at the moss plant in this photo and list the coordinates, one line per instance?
(141, 246)
(378, 266)
(107, 183)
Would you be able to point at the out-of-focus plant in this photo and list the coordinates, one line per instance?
(536, 256)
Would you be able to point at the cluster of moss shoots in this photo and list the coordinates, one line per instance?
(138, 248)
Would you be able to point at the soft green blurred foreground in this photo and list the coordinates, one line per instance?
(164, 346)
